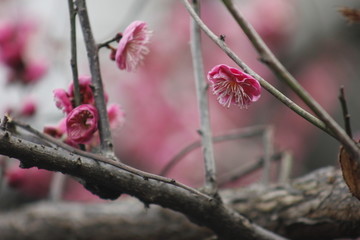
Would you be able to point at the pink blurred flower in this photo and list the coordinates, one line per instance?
(62, 100)
(65, 100)
(116, 116)
(32, 182)
(33, 71)
(29, 108)
(81, 123)
(56, 131)
(13, 38)
(132, 46)
(233, 86)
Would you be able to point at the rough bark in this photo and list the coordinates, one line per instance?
(316, 206)
(105, 178)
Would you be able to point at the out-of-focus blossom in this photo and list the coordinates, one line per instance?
(133, 46)
(116, 116)
(62, 100)
(29, 108)
(81, 123)
(34, 71)
(14, 39)
(233, 86)
(32, 182)
(56, 131)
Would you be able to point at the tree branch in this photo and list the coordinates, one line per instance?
(317, 206)
(109, 181)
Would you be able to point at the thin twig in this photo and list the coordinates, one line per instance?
(271, 89)
(93, 57)
(242, 171)
(203, 105)
(274, 64)
(268, 152)
(104, 159)
(229, 136)
(285, 167)
(345, 112)
(73, 60)
(107, 43)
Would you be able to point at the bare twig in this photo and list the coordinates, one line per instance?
(203, 105)
(73, 60)
(232, 135)
(346, 115)
(274, 64)
(268, 152)
(285, 167)
(93, 57)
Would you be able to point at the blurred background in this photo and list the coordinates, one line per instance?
(311, 38)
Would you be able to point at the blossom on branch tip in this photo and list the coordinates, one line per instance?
(132, 46)
(81, 123)
(233, 86)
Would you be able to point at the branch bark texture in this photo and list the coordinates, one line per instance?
(110, 181)
(316, 206)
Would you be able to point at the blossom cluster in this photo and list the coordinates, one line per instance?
(14, 41)
(81, 122)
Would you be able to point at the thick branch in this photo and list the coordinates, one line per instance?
(317, 206)
(111, 181)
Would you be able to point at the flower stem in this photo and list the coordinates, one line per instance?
(274, 64)
(203, 106)
(93, 57)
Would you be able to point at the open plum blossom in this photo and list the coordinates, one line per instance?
(233, 86)
(81, 123)
(132, 46)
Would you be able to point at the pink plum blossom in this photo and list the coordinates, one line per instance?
(86, 93)
(133, 46)
(34, 71)
(29, 108)
(65, 100)
(233, 86)
(116, 116)
(62, 100)
(81, 123)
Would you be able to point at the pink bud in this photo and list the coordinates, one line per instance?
(132, 46)
(81, 123)
(233, 86)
